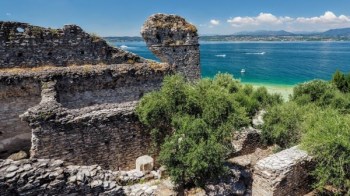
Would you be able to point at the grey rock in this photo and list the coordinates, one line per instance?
(18, 156)
(12, 168)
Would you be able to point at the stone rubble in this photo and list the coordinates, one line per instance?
(245, 141)
(283, 173)
(53, 177)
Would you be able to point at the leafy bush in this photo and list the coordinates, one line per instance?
(194, 153)
(341, 81)
(283, 124)
(192, 123)
(328, 140)
(323, 94)
(312, 91)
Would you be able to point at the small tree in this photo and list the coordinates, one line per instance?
(192, 123)
(340, 81)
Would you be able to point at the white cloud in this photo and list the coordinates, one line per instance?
(8, 14)
(262, 18)
(328, 17)
(269, 21)
(214, 22)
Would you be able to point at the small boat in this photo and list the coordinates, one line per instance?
(123, 46)
(242, 70)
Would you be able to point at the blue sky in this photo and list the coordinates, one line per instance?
(125, 17)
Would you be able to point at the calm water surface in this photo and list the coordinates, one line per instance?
(271, 63)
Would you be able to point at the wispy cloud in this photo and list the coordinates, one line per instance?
(328, 17)
(8, 14)
(268, 20)
(262, 18)
(214, 22)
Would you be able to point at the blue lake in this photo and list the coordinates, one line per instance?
(270, 63)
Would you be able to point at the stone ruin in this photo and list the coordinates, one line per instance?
(69, 95)
(175, 41)
(70, 98)
(24, 45)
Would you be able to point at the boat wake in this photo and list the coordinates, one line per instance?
(125, 47)
(221, 55)
(256, 53)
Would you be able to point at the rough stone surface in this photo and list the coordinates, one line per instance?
(18, 156)
(174, 41)
(283, 173)
(16, 96)
(144, 163)
(246, 141)
(249, 160)
(238, 182)
(104, 129)
(258, 119)
(78, 94)
(24, 45)
(54, 177)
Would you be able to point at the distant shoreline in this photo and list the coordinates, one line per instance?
(284, 90)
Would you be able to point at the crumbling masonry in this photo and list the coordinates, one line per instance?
(78, 94)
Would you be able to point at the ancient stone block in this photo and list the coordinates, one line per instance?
(144, 163)
(246, 141)
(174, 41)
(18, 156)
(283, 173)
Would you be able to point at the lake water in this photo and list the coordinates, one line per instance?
(269, 63)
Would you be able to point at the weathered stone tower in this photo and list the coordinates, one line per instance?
(174, 41)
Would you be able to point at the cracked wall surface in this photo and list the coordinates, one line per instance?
(76, 95)
(25, 45)
(283, 173)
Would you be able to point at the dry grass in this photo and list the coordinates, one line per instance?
(158, 66)
(20, 70)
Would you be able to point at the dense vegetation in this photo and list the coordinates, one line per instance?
(317, 117)
(192, 123)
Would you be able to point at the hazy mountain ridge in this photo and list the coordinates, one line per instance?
(342, 34)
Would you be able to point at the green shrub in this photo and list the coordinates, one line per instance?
(312, 91)
(341, 81)
(328, 140)
(323, 94)
(192, 123)
(283, 123)
(194, 153)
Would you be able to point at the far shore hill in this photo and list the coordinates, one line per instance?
(330, 35)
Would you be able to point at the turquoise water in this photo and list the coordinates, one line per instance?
(271, 63)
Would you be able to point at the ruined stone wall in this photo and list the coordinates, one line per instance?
(16, 96)
(175, 41)
(83, 91)
(78, 94)
(114, 141)
(105, 132)
(24, 45)
(283, 173)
